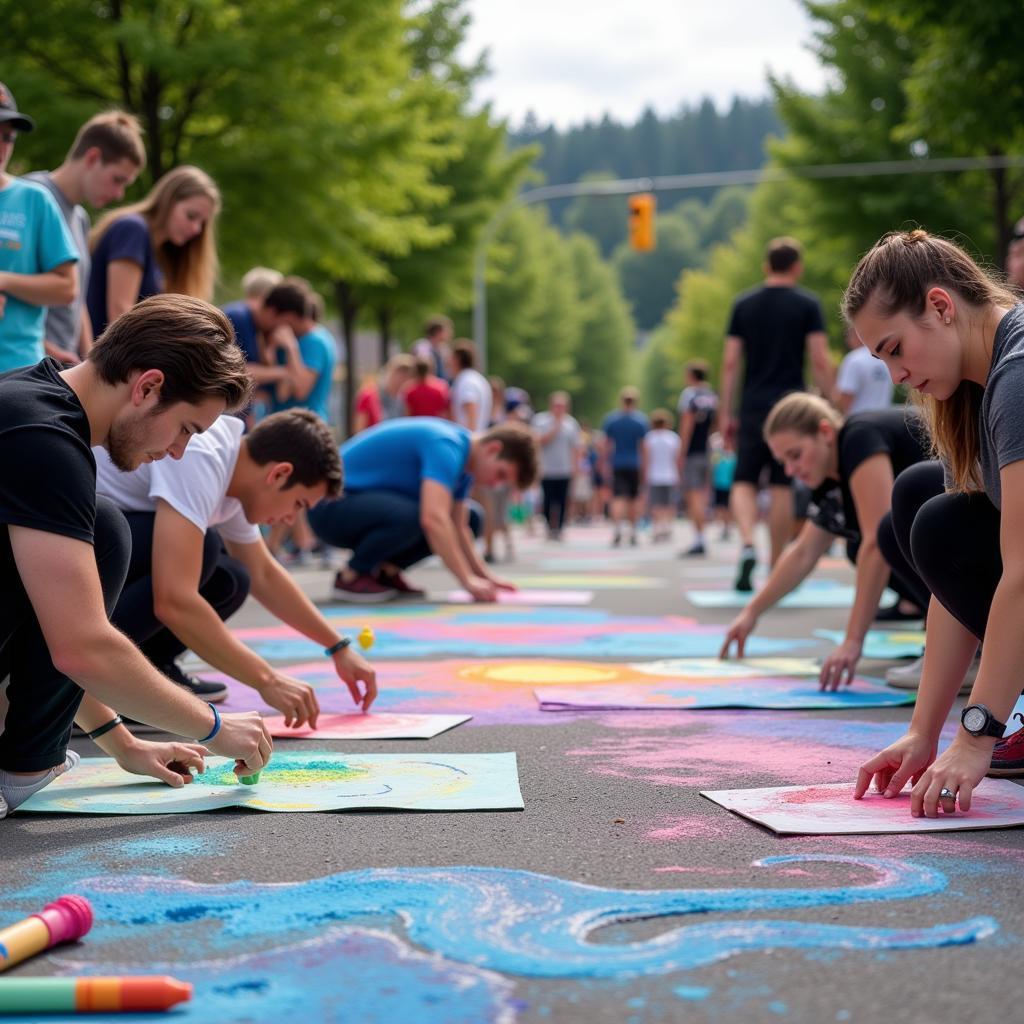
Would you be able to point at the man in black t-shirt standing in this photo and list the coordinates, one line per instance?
(162, 372)
(771, 329)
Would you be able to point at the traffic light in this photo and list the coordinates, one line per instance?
(641, 221)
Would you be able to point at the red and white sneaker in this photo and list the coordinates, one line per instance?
(397, 581)
(362, 589)
(1008, 754)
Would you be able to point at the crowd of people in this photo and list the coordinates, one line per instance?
(112, 358)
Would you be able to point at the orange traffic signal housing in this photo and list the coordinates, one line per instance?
(642, 207)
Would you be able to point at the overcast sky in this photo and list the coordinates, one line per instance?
(570, 60)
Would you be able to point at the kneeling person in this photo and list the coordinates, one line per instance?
(182, 584)
(406, 498)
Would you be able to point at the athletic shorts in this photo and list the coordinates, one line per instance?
(661, 494)
(721, 497)
(626, 483)
(753, 457)
(696, 472)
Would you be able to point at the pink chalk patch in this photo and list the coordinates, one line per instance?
(831, 810)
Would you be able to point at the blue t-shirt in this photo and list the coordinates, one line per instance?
(246, 332)
(625, 430)
(398, 455)
(319, 352)
(34, 239)
(128, 238)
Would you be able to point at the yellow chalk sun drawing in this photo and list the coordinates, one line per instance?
(548, 673)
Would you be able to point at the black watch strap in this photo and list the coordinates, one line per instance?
(992, 726)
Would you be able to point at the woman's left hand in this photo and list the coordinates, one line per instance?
(840, 665)
(503, 584)
(169, 762)
(958, 770)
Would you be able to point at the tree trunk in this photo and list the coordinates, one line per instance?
(384, 318)
(348, 309)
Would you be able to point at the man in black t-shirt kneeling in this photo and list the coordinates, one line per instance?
(771, 329)
(160, 373)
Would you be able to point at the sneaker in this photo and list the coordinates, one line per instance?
(744, 579)
(364, 589)
(632, 541)
(396, 581)
(616, 540)
(693, 550)
(204, 689)
(908, 677)
(893, 614)
(1008, 754)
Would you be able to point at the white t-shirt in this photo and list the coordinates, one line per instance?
(662, 448)
(471, 386)
(194, 485)
(866, 378)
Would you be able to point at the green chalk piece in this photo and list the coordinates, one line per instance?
(37, 995)
(250, 780)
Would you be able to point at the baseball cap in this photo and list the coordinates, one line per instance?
(9, 113)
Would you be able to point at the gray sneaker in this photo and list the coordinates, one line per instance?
(908, 677)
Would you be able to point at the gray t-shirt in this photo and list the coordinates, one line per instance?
(1001, 423)
(63, 322)
(557, 456)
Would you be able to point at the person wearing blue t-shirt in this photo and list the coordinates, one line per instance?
(406, 482)
(37, 253)
(623, 431)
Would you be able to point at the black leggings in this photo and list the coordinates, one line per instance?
(952, 540)
(42, 702)
(223, 582)
(556, 496)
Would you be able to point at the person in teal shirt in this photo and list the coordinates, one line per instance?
(37, 253)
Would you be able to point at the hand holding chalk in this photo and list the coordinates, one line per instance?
(366, 638)
(67, 919)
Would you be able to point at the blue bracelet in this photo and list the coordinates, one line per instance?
(216, 724)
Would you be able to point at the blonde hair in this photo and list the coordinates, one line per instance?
(661, 419)
(896, 275)
(802, 414)
(189, 269)
(260, 281)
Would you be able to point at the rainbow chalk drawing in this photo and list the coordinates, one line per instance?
(494, 631)
(831, 809)
(357, 726)
(296, 781)
(776, 692)
(812, 594)
(526, 597)
(883, 644)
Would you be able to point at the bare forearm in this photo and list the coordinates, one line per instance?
(469, 552)
(283, 598)
(263, 374)
(441, 535)
(872, 576)
(49, 289)
(790, 571)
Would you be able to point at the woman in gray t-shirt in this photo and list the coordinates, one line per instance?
(955, 336)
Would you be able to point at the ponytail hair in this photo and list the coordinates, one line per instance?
(802, 414)
(895, 276)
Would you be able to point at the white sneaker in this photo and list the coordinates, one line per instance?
(908, 677)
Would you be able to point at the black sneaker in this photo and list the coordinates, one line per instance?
(744, 579)
(204, 689)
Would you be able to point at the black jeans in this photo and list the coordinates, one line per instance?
(952, 540)
(42, 701)
(378, 526)
(223, 582)
(556, 497)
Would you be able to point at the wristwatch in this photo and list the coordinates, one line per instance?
(979, 721)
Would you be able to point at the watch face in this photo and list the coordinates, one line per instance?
(975, 719)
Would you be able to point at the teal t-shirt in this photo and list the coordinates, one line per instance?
(398, 455)
(319, 352)
(34, 239)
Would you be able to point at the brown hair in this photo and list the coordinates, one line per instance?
(464, 353)
(699, 369)
(801, 413)
(423, 368)
(518, 446)
(895, 275)
(191, 342)
(661, 419)
(302, 438)
(189, 269)
(117, 135)
(435, 325)
(288, 297)
(782, 254)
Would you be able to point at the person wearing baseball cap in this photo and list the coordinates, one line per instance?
(37, 253)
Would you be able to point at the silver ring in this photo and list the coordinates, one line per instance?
(946, 794)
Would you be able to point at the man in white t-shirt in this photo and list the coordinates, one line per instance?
(182, 585)
(471, 391)
(862, 383)
(659, 459)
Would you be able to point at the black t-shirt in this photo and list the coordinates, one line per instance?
(773, 323)
(897, 432)
(47, 471)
